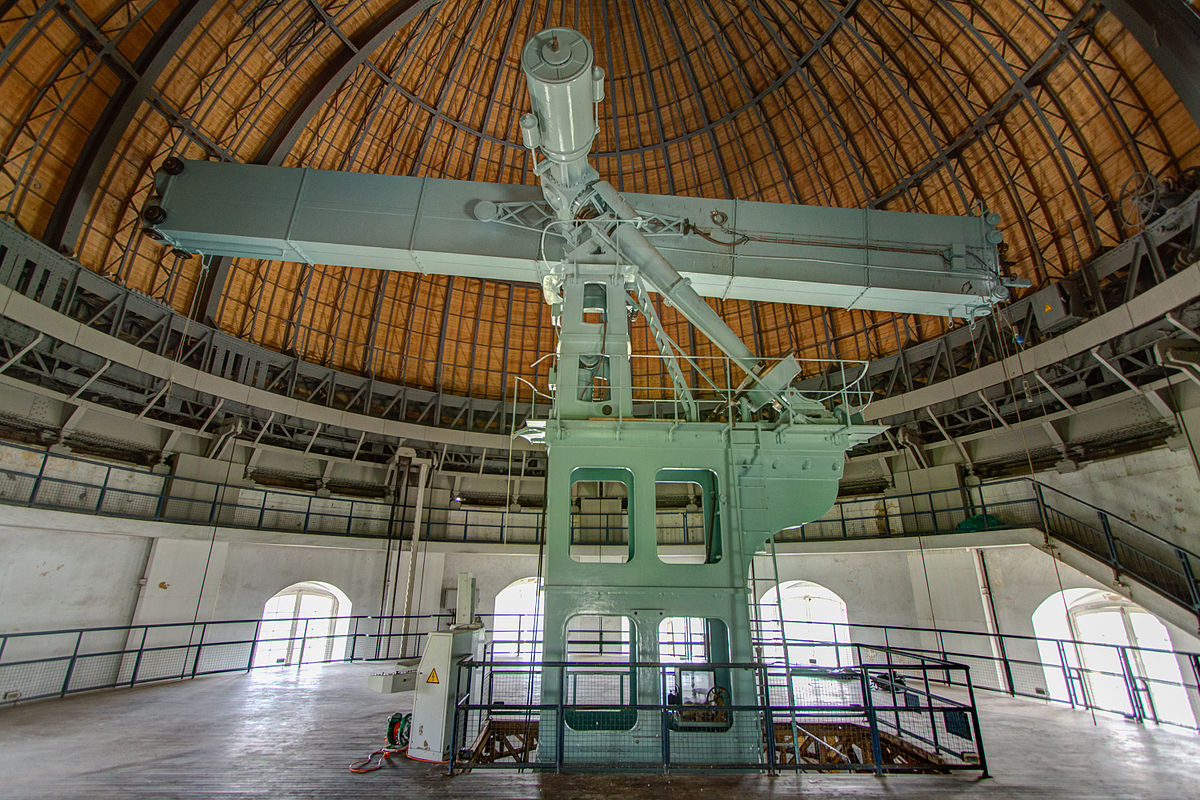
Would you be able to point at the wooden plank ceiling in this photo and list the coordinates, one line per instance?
(1037, 110)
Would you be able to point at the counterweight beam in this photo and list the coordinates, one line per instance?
(841, 258)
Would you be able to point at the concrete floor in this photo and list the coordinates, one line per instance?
(291, 733)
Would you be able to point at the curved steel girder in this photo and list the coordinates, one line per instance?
(336, 71)
(1018, 81)
(350, 57)
(985, 135)
(1169, 32)
(1180, 289)
(877, 50)
(834, 119)
(157, 343)
(66, 221)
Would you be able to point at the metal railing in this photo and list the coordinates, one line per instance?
(1128, 548)
(36, 478)
(41, 664)
(891, 711)
(717, 384)
(1135, 682)
(1141, 683)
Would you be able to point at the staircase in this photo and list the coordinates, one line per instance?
(1129, 550)
(1109, 542)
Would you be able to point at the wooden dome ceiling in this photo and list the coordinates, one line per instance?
(1037, 110)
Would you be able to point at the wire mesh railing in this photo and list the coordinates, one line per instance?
(1128, 548)
(1143, 684)
(40, 664)
(887, 711)
(34, 477)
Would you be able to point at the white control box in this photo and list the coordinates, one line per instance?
(437, 690)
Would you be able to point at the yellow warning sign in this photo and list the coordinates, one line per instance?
(1047, 308)
(433, 678)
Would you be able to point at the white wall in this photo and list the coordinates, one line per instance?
(1158, 490)
(64, 570)
(59, 570)
(492, 573)
(889, 588)
(56, 579)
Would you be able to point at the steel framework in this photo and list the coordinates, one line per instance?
(61, 285)
(995, 119)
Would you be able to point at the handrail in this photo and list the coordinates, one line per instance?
(307, 496)
(1009, 658)
(849, 626)
(337, 515)
(1033, 482)
(193, 624)
(891, 703)
(235, 651)
(40, 664)
(1131, 549)
(1109, 514)
(1167, 567)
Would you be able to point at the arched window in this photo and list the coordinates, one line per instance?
(812, 617)
(517, 621)
(306, 623)
(1124, 655)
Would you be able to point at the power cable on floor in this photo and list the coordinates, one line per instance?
(375, 760)
(399, 728)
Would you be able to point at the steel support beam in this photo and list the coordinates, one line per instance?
(32, 315)
(349, 58)
(17, 356)
(1152, 397)
(339, 68)
(962, 451)
(988, 404)
(1169, 32)
(1053, 435)
(157, 396)
(1052, 391)
(1179, 289)
(62, 231)
(845, 258)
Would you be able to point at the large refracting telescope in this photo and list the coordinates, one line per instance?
(565, 89)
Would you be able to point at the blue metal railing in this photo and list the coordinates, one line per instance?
(1080, 674)
(1091, 675)
(30, 479)
(136, 493)
(1165, 566)
(55, 663)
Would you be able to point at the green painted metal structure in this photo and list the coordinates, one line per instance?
(762, 455)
